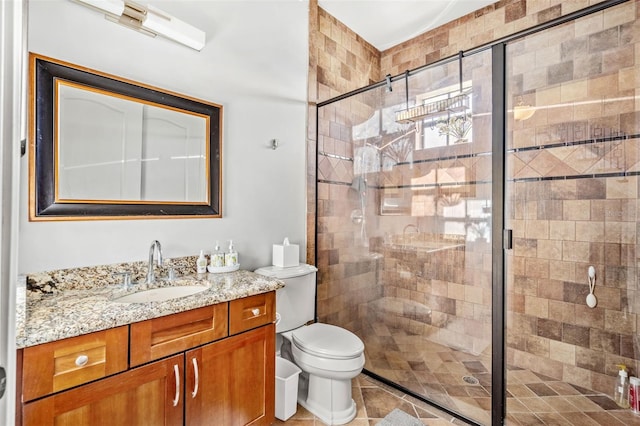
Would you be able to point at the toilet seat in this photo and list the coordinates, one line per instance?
(327, 341)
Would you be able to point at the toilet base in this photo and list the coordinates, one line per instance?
(328, 399)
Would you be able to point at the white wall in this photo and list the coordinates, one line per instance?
(254, 64)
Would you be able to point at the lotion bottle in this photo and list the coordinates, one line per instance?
(201, 263)
(231, 257)
(621, 389)
(217, 257)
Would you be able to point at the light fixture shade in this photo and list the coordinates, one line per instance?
(112, 7)
(149, 20)
(168, 26)
(523, 112)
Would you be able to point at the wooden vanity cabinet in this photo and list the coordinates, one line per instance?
(208, 366)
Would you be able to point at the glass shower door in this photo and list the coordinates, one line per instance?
(404, 230)
(572, 203)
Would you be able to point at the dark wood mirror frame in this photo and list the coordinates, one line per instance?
(42, 174)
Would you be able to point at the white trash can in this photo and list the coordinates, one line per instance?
(286, 388)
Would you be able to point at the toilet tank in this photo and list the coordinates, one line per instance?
(296, 301)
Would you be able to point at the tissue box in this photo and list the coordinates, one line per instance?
(286, 255)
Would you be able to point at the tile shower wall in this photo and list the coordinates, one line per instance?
(347, 274)
(339, 61)
(561, 225)
(483, 26)
(573, 188)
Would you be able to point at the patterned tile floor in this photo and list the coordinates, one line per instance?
(438, 372)
(374, 400)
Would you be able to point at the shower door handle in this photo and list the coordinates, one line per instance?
(507, 239)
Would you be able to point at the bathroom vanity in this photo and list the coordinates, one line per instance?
(203, 359)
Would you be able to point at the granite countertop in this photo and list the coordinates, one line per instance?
(48, 311)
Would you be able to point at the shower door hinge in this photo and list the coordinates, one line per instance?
(507, 239)
(3, 381)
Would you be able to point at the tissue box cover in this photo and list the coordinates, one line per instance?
(285, 256)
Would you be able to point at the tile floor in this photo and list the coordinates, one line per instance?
(374, 400)
(462, 382)
(534, 399)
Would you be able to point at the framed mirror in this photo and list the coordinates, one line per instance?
(103, 147)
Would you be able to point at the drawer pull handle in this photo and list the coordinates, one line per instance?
(177, 374)
(197, 379)
(82, 360)
(255, 312)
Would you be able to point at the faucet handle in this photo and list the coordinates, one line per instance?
(126, 278)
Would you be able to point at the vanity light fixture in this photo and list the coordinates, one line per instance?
(149, 20)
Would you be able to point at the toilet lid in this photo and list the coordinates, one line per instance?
(328, 341)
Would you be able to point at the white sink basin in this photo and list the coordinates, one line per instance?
(161, 294)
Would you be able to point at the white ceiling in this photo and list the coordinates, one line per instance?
(386, 23)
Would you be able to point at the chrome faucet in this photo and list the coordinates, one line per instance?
(409, 226)
(151, 276)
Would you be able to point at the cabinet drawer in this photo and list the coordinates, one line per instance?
(66, 363)
(251, 312)
(160, 337)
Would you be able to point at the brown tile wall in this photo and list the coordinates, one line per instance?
(483, 26)
(339, 61)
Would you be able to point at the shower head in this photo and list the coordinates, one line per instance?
(359, 184)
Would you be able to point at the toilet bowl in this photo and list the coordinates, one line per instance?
(329, 356)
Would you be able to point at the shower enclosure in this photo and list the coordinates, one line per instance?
(460, 206)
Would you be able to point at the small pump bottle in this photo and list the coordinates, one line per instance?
(621, 390)
(231, 257)
(217, 257)
(201, 263)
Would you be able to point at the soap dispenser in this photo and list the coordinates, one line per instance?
(231, 257)
(621, 389)
(201, 263)
(217, 258)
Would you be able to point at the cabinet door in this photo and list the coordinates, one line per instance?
(232, 382)
(149, 395)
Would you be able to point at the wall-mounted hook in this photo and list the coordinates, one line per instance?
(591, 298)
(274, 143)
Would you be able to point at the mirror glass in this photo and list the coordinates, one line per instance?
(104, 147)
(115, 148)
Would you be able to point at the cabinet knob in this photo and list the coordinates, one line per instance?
(82, 360)
(255, 312)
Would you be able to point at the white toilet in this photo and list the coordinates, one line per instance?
(328, 356)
